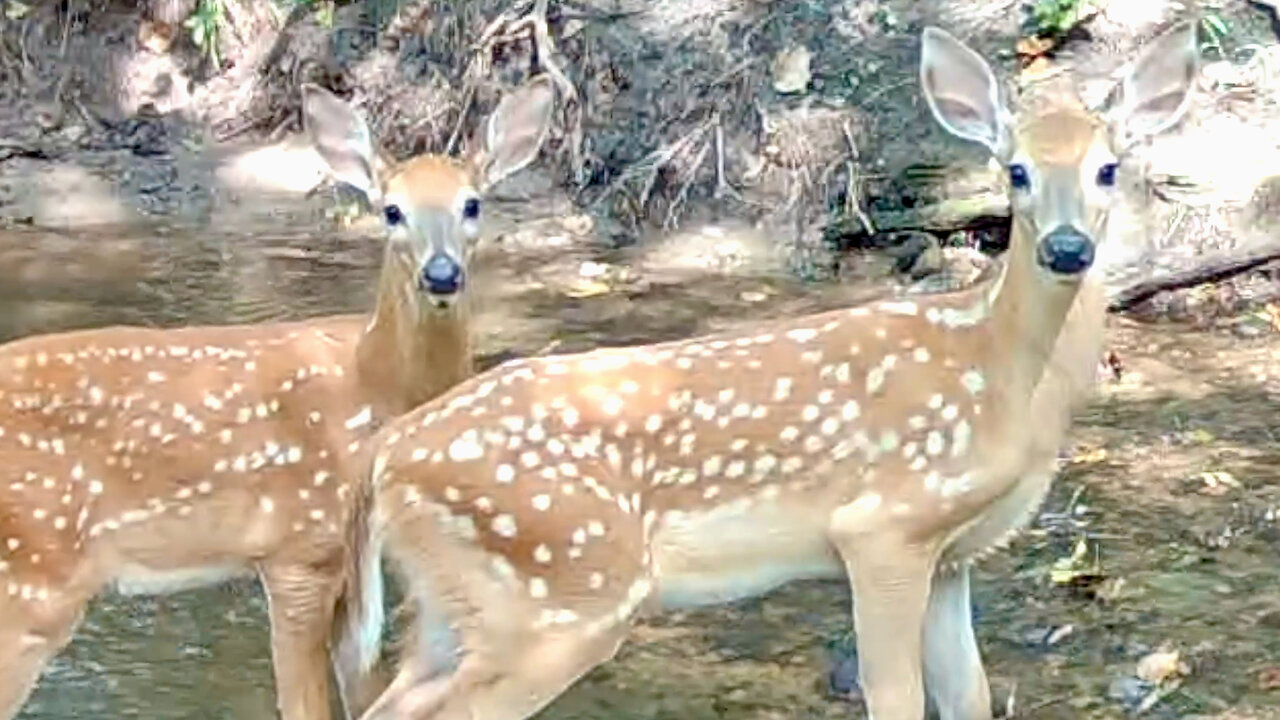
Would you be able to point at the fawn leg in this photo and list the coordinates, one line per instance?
(890, 584)
(512, 685)
(508, 654)
(32, 631)
(302, 600)
(954, 677)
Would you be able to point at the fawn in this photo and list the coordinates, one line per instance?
(536, 509)
(159, 459)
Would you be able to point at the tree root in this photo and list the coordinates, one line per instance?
(650, 165)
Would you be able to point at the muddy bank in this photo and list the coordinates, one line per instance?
(801, 118)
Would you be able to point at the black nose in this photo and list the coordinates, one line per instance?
(441, 275)
(1066, 251)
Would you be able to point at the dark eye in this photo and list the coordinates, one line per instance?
(1019, 178)
(1107, 175)
(393, 215)
(471, 209)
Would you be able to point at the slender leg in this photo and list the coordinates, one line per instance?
(302, 600)
(31, 633)
(359, 689)
(890, 593)
(953, 670)
(510, 686)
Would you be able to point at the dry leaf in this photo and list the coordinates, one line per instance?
(592, 269)
(586, 288)
(1218, 483)
(1201, 436)
(155, 36)
(1036, 68)
(1095, 455)
(1161, 665)
(791, 71)
(577, 224)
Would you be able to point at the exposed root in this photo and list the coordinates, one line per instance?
(723, 188)
(669, 222)
(648, 168)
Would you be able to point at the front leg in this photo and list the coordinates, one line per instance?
(890, 585)
(954, 677)
(301, 602)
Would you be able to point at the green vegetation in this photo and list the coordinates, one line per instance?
(1052, 18)
(1214, 30)
(205, 26)
(209, 19)
(323, 9)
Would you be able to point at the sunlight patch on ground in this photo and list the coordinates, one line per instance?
(289, 166)
(713, 248)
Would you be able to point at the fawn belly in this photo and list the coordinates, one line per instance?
(134, 579)
(219, 540)
(738, 550)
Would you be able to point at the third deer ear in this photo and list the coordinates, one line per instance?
(516, 130)
(342, 138)
(1156, 90)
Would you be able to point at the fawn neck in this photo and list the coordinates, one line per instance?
(411, 351)
(1028, 312)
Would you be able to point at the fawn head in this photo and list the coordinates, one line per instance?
(1060, 159)
(431, 203)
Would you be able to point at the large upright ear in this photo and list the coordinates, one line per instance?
(1156, 91)
(961, 90)
(342, 138)
(517, 128)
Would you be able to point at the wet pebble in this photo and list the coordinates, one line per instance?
(1128, 691)
(1270, 619)
(842, 679)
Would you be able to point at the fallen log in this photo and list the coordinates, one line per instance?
(1212, 269)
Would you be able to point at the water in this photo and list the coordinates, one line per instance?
(51, 282)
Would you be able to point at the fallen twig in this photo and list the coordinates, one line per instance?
(852, 192)
(467, 100)
(650, 165)
(723, 188)
(1038, 706)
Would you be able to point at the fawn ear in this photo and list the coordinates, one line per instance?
(342, 139)
(961, 91)
(1156, 91)
(516, 130)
